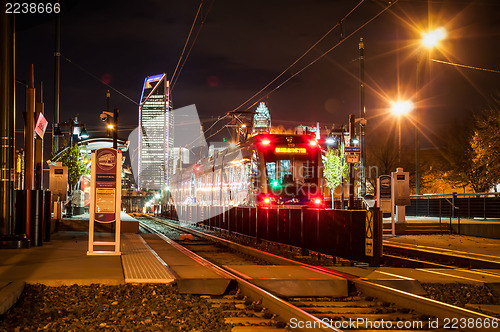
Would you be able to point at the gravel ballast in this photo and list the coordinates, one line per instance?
(129, 307)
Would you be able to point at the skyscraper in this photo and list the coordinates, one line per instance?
(155, 137)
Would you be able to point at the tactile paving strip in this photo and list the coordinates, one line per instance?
(140, 265)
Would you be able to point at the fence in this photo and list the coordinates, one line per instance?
(470, 206)
(350, 234)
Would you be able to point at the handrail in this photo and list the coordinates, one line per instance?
(456, 195)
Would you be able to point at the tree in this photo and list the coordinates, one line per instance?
(485, 143)
(333, 169)
(76, 164)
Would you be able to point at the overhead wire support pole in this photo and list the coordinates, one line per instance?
(352, 132)
(362, 115)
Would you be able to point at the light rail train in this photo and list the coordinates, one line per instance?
(265, 170)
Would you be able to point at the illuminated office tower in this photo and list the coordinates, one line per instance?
(155, 136)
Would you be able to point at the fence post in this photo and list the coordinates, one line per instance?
(304, 252)
(484, 207)
(440, 200)
(453, 201)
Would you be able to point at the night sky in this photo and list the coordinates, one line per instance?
(243, 45)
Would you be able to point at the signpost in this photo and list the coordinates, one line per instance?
(105, 197)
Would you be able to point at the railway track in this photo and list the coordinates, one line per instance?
(367, 306)
(423, 256)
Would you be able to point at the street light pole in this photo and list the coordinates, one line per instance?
(417, 125)
(429, 40)
(115, 129)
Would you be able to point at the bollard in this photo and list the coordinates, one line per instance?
(35, 217)
(20, 212)
(47, 217)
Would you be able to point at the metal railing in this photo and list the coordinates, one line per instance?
(471, 206)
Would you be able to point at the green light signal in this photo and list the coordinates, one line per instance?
(275, 184)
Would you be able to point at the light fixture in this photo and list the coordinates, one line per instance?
(57, 131)
(83, 133)
(401, 107)
(432, 38)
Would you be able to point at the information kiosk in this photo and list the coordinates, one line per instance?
(105, 197)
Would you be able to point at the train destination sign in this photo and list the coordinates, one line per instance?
(291, 150)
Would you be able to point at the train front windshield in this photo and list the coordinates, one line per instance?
(292, 180)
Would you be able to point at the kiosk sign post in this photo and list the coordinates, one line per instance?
(105, 196)
(400, 195)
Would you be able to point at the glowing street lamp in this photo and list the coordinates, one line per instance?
(430, 40)
(400, 108)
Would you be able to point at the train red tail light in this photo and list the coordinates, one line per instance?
(265, 142)
(267, 200)
(313, 143)
(317, 201)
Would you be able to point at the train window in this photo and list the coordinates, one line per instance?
(285, 171)
(271, 170)
(309, 167)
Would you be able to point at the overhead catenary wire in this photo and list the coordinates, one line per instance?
(298, 59)
(100, 80)
(202, 22)
(323, 54)
(466, 66)
(187, 39)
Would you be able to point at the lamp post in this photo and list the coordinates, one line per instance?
(112, 126)
(72, 124)
(430, 40)
(400, 108)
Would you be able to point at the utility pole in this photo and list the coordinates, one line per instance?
(116, 112)
(420, 62)
(57, 70)
(7, 121)
(352, 132)
(362, 115)
(108, 132)
(39, 142)
(29, 130)
(342, 161)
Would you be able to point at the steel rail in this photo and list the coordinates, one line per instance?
(284, 310)
(421, 304)
(404, 299)
(459, 258)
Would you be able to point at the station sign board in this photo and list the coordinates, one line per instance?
(352, 149)
(384, 193)
(105, 185)
(105, 195)
(352, 158)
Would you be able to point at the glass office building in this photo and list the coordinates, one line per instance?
(155, 136)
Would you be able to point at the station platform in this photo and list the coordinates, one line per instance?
(64, 261)
(485, 228)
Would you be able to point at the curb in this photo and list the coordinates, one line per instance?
(9, 294)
